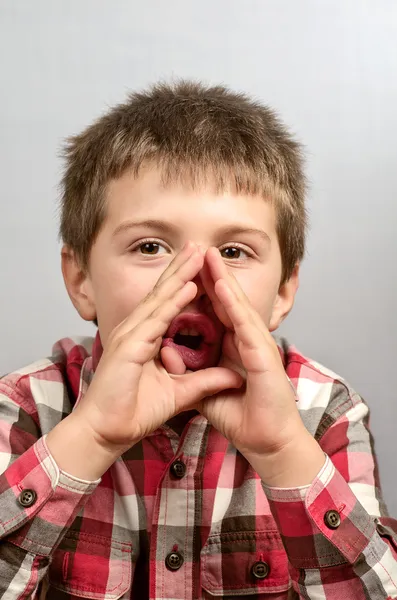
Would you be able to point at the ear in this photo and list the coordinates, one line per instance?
(78, 284)
(285, 299)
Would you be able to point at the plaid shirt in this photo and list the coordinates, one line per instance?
(204, 527)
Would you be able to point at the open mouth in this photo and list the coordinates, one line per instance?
(196, 339)
(191, 339)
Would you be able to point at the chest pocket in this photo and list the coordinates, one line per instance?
(90, 566)
(245, 563)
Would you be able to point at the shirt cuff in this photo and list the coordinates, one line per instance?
(322, 524)
(38, 500)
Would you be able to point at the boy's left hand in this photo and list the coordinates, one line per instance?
(261, 419)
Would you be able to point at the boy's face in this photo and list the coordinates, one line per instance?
(147, 224)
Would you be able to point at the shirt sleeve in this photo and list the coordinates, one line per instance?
(338, 537)
(38, 502)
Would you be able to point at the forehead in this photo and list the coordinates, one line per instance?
(146, 197)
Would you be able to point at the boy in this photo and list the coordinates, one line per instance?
(184, 454)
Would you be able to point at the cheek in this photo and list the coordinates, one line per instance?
(119, 294)
(261, 292)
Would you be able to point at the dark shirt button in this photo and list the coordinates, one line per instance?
(27, 497)
(260, 569)
(174, 561)
(332, 519)
(178, 469)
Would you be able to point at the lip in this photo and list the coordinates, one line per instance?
(207, 355)
(199, 321)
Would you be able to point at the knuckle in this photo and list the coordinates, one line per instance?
(152, 295)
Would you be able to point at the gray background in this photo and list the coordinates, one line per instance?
(329, 67)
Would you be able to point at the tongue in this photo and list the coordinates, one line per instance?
(194, 359)
(206, 353)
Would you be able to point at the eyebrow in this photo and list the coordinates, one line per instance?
(169, 228)
(148, 224)
(233, 230)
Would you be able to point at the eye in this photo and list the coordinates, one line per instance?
(149, 248)
(234, 253)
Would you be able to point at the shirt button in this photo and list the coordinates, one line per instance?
(260, 569)
(178, 469)
(174, 561)
(26, 498)
(332, 519)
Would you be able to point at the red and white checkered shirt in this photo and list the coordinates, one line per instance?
(186, 517)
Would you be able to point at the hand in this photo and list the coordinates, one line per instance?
(260, 419)
(132, 393)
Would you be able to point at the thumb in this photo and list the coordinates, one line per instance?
(194, 386)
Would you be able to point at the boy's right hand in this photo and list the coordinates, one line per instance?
(132, 393)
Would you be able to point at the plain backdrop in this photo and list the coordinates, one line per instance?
(328, 66)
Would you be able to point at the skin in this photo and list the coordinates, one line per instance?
(216, 253)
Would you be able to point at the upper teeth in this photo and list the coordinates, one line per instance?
(188, 331)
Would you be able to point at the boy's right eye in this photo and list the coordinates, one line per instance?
(149, 248)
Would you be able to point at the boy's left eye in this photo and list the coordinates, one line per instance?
(233, 252)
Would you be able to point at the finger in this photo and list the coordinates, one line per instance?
(193, 387)
(219, 270)
(167, 290)
(144, 307)
(243, 324)
(172, 361)
(185, 272)
(230, 351)
(142, 343)
(178, 260)
(255, 345)
(208, 284)
(216, 265)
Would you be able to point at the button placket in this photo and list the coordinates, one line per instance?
(174, 561)
(178, 469)
(176, 507)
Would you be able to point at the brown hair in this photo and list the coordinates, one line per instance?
(193, 133)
